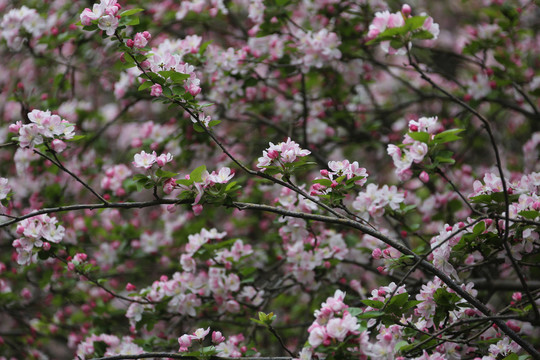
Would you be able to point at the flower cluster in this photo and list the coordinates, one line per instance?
(318, 48)
(146, 160)
(114, 346)
(384, 20)
(165, 59)
(333, 325)
(373, 200)
(139, 41)
(17, 22)
(339, 171)
(413, 151)
(4, 188)
(32, 231)
(44, 125)
(280, 154)
(106, 14)
(114, 177)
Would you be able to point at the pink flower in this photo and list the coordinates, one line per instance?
(87, 16)
(156, 90)
(217, 337)
(200, 334)
(144, 160)
(317, 335)
(108, 23)
(140, 41)
(162, 159)
(58, 145)
(185, 342)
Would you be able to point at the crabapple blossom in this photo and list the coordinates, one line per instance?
(145, 160)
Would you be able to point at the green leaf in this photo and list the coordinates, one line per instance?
(391, 33)
(131, 12)
(179, 78)
(370, 315)
(419, 136)
(198, 128)
(325, 182)
(165, 174)
(178, 90)
(204, 46)
(214, 123)
(145, 85)
(185, 182)
(479, 228)
(373, 303)
(423, 35)
(512, 356)
(132, 21)
(414, 22)
(398, 301)
(139, 177)
(529, 214)
(196, 175)
(444, 157)
(76, 138)
(400, 345)
(447, 136)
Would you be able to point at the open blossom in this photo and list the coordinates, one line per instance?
(285, 152)
(156, 90)
(200, 334)
(105, 13)
(4, 188)
(185, 342)
(18, 22)
(144, 160)
(42, 125)
(385, 20)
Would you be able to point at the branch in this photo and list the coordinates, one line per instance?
(489, 131)
(180, 356)
(57, 162)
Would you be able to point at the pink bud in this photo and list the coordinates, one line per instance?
(58, 145)
(130, 43)
(71, 266)
(145, 64)
(185, 342)
(273, 154)
(324, 173)
(424, 177)
(413, 127)
(46, 246)
(406, 9)
(217, 337)
(14, 128)
(25, 293)
(156, 90)
(130, 287)
(376, 253)
(197, 209)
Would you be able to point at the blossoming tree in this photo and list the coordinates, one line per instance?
(316, 179)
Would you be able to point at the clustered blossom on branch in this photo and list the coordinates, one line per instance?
(106, 14)
(44, 125)
(17, 23)
(33, 231)
(436, 252)
(280, 154)
(385, 20)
